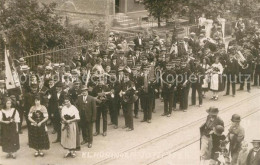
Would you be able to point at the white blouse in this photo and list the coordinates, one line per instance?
(9, 113)
(219, 66)
(71, 111)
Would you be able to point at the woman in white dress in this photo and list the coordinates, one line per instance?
(70, 138)
(216, 78)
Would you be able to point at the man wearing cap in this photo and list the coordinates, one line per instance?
(184, 86)
(21, 62)
(235, 136)
(231, 70)
(206, 129)
(47, 76)
(138, 41)
(121, 59)
(25, 78)
(137, 79)
(253, 157)
(105, 61)
(83, 57)
(100, 92)
(3, 93)
(147, 95)
(196, 82)
(74, 92)
(86, 105)
(56, 99)
(169, 85)
(128, 98)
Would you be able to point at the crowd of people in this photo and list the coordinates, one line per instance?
(127, 76)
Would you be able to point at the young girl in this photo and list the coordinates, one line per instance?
(9, 119)
(215, 81)
(70, 139)
(38, 136)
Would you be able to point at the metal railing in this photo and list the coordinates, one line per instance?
(58, 55)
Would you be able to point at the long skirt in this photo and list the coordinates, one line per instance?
(38, 138)
(70, 138)
(10, 138)
(217, 83)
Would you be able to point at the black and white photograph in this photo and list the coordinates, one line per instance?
(129, 82)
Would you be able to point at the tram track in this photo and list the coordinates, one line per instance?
(175, 131)
(194, 140)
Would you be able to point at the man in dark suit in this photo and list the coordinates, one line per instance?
(74, 92)
(212, 121)
(99, 91)
(87, 110)
(138, 41)
(114, 65)
(253, 157)
(128, 98)
(56, 99)
(83, 57)
(231, 70)
(168, 89)
(196, 82)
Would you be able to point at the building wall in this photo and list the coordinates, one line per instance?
(86, 6)
(133, 6)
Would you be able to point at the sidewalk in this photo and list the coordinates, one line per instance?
(144, 136)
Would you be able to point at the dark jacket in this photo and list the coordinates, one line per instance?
(253, 160)
(87, 110)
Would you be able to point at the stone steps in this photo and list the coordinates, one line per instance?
(124, 21)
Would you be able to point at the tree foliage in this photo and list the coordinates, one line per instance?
(31, 27)
(164, 9)
(212, 8)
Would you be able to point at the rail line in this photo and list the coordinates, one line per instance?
(190, 142)
(159, 138)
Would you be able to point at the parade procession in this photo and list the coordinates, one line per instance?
(196, 91)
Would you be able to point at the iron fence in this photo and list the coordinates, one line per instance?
(58, 55)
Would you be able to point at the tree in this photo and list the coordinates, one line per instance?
(32, 27)
(164, 9)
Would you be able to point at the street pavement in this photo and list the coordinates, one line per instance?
(167, 140)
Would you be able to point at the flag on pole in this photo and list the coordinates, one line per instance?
(12, 78)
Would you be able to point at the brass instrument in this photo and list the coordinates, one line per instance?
(128, 94)
(103, 96)
(240, 59)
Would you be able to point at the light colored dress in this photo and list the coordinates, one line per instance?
(206, 79)
(215, 77)
(70, 132)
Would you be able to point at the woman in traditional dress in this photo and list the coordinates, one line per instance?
(38, 136)
(9, 119)
(216, 78)
(70, 138)
(205, 84)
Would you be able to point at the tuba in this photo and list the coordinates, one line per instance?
(240, 59)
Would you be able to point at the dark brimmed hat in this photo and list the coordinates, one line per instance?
(255, 141)
(236, 118)
(212, 111)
